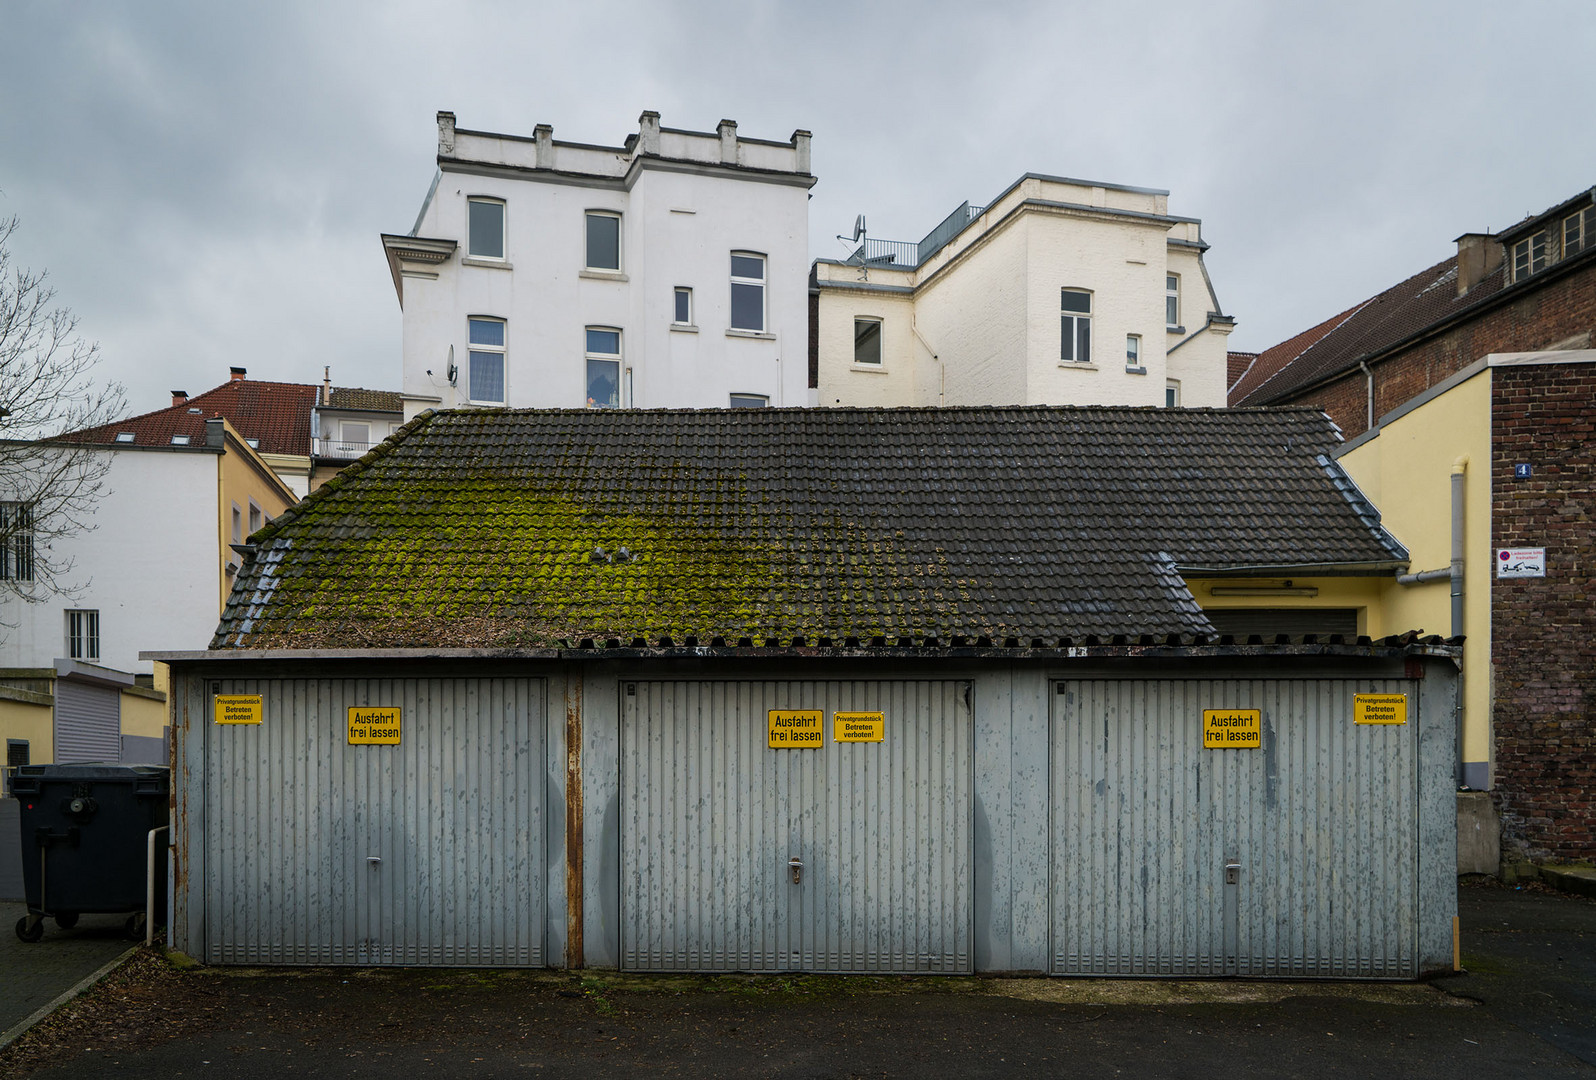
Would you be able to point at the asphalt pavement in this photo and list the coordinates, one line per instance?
(1526, 1007)
(33, 975)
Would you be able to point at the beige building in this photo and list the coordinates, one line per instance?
(1059, 292)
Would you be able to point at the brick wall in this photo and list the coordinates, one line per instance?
(1543, 649)
(1542, 318)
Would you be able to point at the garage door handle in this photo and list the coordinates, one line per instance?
(374, 860)
(796, 865)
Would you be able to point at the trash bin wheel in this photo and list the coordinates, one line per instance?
(134, 927)
(30, 928)
(67, 920)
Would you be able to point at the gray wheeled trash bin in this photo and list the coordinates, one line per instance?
(85, 838)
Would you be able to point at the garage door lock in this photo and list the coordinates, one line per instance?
(1232, 873)
(796, 865)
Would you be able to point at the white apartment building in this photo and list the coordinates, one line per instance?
(669, 271)
(1060, 292)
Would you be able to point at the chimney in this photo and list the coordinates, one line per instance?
(727, 130)
(800, 143)
(446, 136)
(1477, 255)
(326, 385)
(648, 133)
(237, 374)
(544, 136)
(179, 397)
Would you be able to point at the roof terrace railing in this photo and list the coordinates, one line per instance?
(341, 449)
(906, 254)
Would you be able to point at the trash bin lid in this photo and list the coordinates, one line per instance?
(94, 770)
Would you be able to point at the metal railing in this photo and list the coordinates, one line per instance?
(906, 254)
(343, 449)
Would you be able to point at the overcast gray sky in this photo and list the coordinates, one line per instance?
(206, 182)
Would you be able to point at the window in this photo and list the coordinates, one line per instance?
(867, 341)
(254, 517)
(1172, 300)
(1579, 231)
(485, 377)
(603, 368)
(16, 542)
(125, 436)
(179, 440)
(1133, 351)
(603, 241)
(749, 401)
(684, 306)
(1075, 337)
(1529, 256)
(16, 756)
(353, 437)
(485, 228)
(748, 292)
(238, 525)
(83, 635)
(1172, 394)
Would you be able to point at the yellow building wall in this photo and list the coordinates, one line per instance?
(35, 723)
(143, 713)
(1362, 593)
(1406, 471)
(242, 475)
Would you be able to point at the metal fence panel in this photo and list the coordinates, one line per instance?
(711, 816)
(426, 852)
(1320, 824)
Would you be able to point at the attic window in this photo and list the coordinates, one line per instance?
(254, 444)
(124, 436)
(179, 440)
(195, 410)
(1529, 256)
(1579, 231)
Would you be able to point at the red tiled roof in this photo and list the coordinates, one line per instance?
(1236, 365)
(275, 414)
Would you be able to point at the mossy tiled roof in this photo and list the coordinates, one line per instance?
(532, 528)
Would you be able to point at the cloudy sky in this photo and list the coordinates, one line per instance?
(206, 182)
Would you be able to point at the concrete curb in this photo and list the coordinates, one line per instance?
(1580, 880)
(16, 1032)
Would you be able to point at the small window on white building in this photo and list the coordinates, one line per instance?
(83, 635)
(485, 361)
(867, 342)
(1075, 333)
(1529, 256)
(485, 228)
(603, 240)
(354, 437)
(748, 292)
(1133, 352)
(603, 368)
(16, 541)
(1172, 394)
(684, 306)
(749, 401)
(1172, 300)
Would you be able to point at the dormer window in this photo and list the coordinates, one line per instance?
(1579, 231)
(1529, 256)
(179, 440)
(125, 436)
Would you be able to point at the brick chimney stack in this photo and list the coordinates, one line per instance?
(179, 397)
(237, 374)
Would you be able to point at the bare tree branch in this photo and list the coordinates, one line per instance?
(48, 483)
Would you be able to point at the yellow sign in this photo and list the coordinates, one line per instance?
(368, 725)
(1380, 708)
(796, 729)
(238, 708)
(858, 727)
(1232, 729)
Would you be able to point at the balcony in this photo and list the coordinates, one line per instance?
(339, 449)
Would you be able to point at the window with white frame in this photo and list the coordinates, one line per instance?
(603, 241)
(83, 635)
(747, 291)
(485, 228)
(485, 360)
(1133, 351)
(1075, 333)
(1579, 231)
(683, 315)
(1171, 300)
(867, 342)
(354, 437)
(603, 368)
(1529, 256)
(1172, 394)
(749, 401)
(238, 524)
(126, 436)
(16, 541)
(254, 517)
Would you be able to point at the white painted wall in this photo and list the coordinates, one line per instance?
(148, 565)
(680, 222)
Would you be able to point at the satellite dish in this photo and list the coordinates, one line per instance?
(858, 226)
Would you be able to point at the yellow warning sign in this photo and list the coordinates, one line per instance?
(858, 727)
(796, 729)
(1380, 708)
(238, 708)
(1232, 729)
(369, 725)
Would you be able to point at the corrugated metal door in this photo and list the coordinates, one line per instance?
(428, 852)
(711, 816)
(1320, 824)
(88, 723)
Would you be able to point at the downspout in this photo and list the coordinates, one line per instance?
(1454, 574)
(1368, 377)
(942, 372)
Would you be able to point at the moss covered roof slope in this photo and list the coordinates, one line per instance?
(533, 528)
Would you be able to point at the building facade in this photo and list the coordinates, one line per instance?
(1059, 292)
(664, 272)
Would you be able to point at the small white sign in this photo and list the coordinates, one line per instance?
(1521, 562)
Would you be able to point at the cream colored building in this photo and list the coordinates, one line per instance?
(1059, 292)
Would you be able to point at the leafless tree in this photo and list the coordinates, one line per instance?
(49, 482)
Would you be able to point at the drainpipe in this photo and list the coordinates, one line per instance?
(1454, 574)
(1368, 377)
(942, 372)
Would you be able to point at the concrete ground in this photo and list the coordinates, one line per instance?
(1527, 1006)
(31, 976)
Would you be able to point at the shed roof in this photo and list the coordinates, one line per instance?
(505, 528)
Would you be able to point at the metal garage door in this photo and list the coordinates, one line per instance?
(711, 817)
(88, 723)
(426, 852)
(1320, 823)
